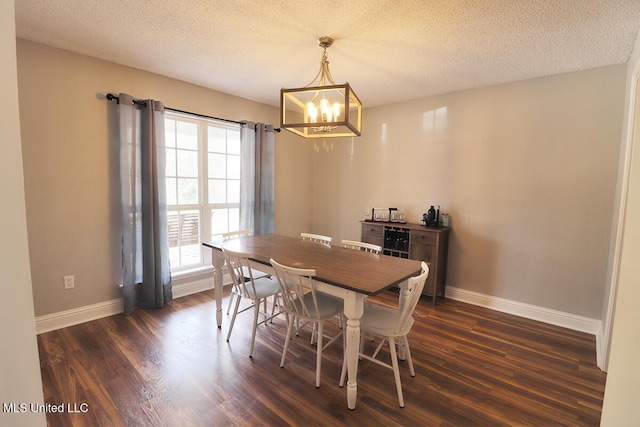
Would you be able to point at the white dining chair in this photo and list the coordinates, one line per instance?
(317, 238)
(302, 301)
(325, 240)
(255, 290)
(256, 273)
(362, 246)
(390, 324)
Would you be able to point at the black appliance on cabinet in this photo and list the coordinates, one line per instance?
(432, 217)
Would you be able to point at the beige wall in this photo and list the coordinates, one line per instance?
(19, 365)
(72, 213)
(527, 170)
(622, 392)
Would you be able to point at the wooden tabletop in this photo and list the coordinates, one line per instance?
(359, 271)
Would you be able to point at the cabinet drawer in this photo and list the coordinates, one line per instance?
(372, 231)
(422, 252)
(423, 237)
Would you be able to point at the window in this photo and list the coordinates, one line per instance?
(203, 185)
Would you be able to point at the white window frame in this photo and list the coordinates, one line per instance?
(203, 207)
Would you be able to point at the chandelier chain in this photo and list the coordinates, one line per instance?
(324, 74)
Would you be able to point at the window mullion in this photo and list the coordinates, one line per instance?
(204, 177)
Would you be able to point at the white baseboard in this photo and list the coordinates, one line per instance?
(63, 319)
(553, 317)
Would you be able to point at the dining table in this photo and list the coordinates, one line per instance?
(349, 274)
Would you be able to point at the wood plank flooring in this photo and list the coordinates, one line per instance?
(173, 367)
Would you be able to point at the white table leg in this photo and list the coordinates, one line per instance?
(353, 308)
(217, 260)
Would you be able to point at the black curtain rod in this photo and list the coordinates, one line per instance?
(112, 97)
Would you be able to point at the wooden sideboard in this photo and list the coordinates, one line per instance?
(414, 241)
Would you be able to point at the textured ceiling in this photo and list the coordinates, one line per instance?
(389, 51)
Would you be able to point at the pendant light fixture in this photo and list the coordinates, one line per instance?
(321, 109)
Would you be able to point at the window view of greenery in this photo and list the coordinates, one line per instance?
(203, 185)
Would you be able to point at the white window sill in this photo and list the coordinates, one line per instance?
(186, 275)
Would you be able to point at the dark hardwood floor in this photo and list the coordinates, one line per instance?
(173, 367)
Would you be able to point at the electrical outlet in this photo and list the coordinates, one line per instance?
(69, 282)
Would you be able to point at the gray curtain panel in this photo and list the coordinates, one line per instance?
(146, 276)
(257, 181)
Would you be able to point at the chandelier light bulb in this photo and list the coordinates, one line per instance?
(336, 111)
(325, 111)
(312, 113)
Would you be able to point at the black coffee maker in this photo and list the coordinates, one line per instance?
(432, 217)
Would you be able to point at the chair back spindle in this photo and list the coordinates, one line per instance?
(316, 238)
(362, 246)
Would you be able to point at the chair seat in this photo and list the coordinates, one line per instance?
(264, 286)
(382, 320)
(328, 306)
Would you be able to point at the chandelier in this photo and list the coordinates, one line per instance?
(321, 109)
